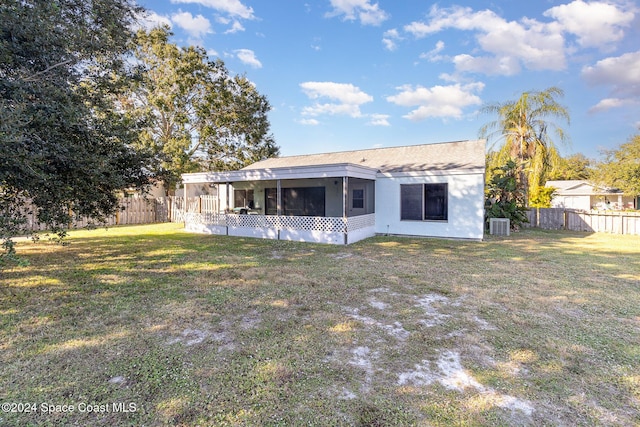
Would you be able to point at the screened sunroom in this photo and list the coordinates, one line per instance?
(325, 204)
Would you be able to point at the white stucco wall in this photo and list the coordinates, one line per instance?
(572, 202)
(588, 202)
(465, 206)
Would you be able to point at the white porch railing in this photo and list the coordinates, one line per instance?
(334, 230)
(361, 221)
(307, 223)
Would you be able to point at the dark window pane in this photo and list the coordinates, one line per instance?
(243, 198)
(435, 201)
(304, 201)
(314, 201)
(357, 199)
(239, 198)
(411, 201)
(271, 201)
(293, 201)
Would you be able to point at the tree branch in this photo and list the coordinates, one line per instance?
(46, 70)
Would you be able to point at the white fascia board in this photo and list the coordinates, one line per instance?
(566, 184)
(590, 191)
(583, 187)
(435, 172)
(299, 172)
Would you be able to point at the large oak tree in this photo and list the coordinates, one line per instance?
(64, 148)
(197, 116)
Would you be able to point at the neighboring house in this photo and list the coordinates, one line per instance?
(422, 190)
(155, 190)
(583, 195)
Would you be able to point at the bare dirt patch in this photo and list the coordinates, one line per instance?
(445, 368)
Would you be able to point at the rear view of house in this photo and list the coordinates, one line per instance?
(585, 195)
(421, 190)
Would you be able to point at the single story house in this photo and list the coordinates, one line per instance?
(432, 190)
(584, 195)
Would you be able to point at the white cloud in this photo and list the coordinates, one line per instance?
(363, 10)
(152, 20)
(533, 44)
(196, 26)
(247, 56)
(389, 44)
(621, 73)
(389, 39)
(504, 66)
(344, 92)
(609, 103)
(309, 122)
(461, 18)
(379, 120)
(438, 101)
(317, 44)
(235, 28)
(434, 54)
(231, 7)
(596, 24)
(332, 110)
(528, 43)
(537, 46)
(349, 98)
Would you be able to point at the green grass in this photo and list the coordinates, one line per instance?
(540, 328)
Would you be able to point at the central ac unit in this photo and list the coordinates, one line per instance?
(499, 226)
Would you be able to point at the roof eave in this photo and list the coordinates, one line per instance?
(270, 174)
(433, 171)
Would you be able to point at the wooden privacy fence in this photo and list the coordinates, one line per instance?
(616, 222)
(132, 211)
(138, 210)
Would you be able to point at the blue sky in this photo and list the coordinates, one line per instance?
(354, 74)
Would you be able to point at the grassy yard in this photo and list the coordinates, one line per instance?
(152, 326)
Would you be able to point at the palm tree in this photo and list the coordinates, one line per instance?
(523, 125)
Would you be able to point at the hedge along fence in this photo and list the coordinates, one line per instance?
(133, 210)
(616, 222)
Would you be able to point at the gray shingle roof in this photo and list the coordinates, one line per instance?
(440, 156)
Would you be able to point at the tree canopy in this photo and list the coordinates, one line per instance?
(197, 117)
(525, 129)
(575, 166)
(63, 146)
(504, 195)
(621, 167)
